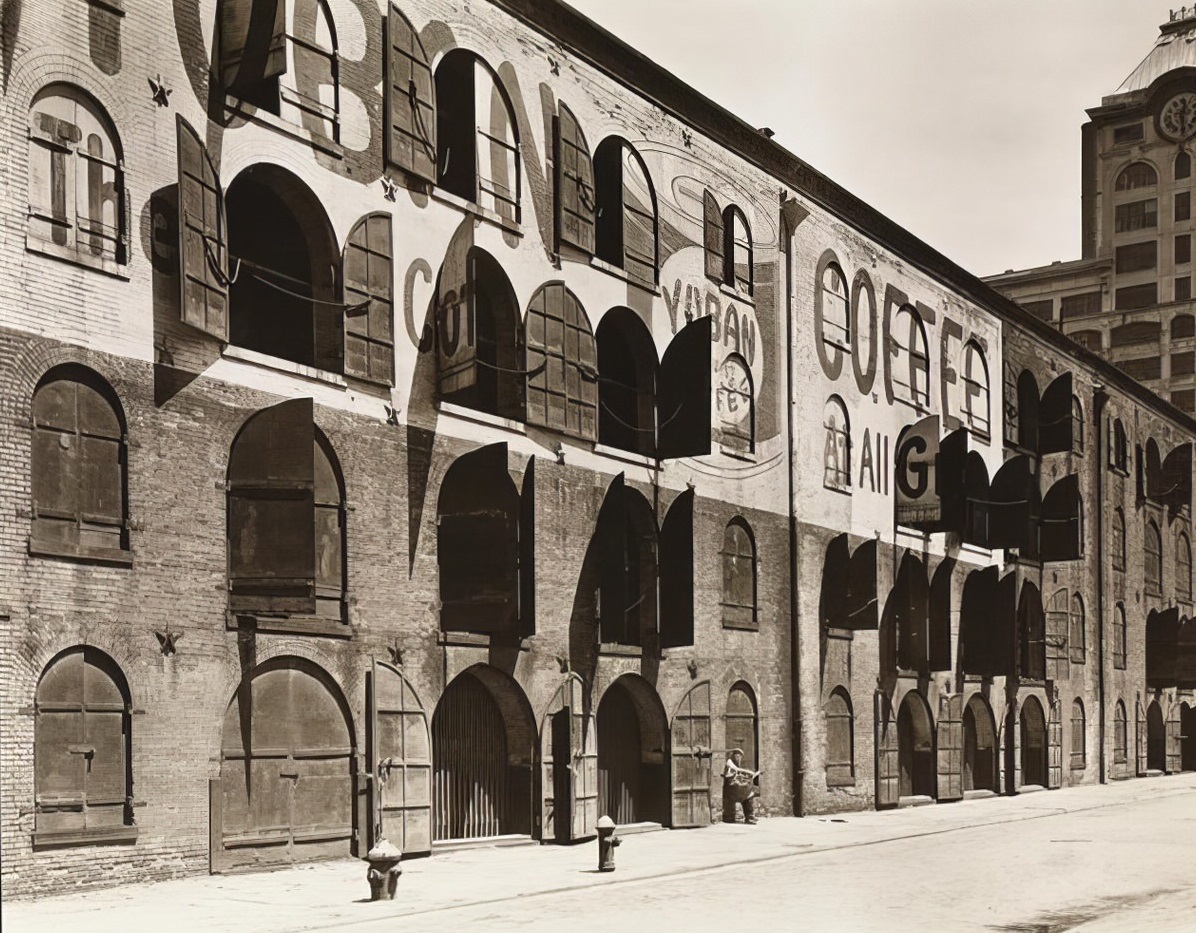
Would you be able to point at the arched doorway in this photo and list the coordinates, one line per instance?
(482, 740)
(915, 747)
(1188, 742)
(633, 780)
(979, 746)
(286, 776)
(1156, 738)
(1033, 736)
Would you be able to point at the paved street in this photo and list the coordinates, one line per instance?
(1096, 859)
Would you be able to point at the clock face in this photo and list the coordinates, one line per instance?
(734, 392)
(1177, 119)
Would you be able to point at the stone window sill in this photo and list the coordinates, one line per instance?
(480, 417)
(267, 361)
(623, 275)
(76, 257)
(281, 625)
(116, 557)
(472, 207)
(114, 835)
(236, 107)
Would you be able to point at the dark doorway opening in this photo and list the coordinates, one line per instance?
(1156, 738)
(915, 745)
(979, 746)
(1034, 757)
(1188, 737)
(632, 766)
(562, 783)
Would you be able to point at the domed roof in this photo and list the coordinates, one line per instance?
(1175, 48)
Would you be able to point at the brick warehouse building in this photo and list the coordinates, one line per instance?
(632, 439)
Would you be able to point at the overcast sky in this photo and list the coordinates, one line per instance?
(959, 119)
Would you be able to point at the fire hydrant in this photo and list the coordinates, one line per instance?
(384, 872)
(607, 840)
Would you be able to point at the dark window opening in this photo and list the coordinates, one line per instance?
(1183, 568)
(1136, 296)
(1137, 175)
(1183, 249)
(975, 390)
(1119, 638)
(1183, 288)
(1183, 166)
(626, 222)
(78, 467)
(1079, 738)
(1152, 551)
(1124, 135)
(1043, 309)
(1183, 206)
(1137, 257)
(1134, 333)
(1118, 530)
(1183, 325)
(627, 367)
(1136, 215)
(1120, 741)
(1032, 632)
(1077, 631)
(737, 250)
(1079, 306)
(628, 547)
(1077, 426)
(1119, 448)
(739, 576)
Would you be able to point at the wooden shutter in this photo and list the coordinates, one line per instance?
(574, 183)
(712, 227)
(410, 100)
(562, 364)
(976, 501)
(1142, 739)
(456, 309)
(888, 770)
(1055, 748)
(1027, 411)
(683, 393)
(271, 512)
(677, 573)
(1174, 740)
(612, 560)
(584, 743)
(639, 224)
(401, 761)
(912, 615)
(1055, 422)
(1013, 505)
(950, 749)
(203, 249)
(938, 647)
(527, 551)
(1057, 623)
(1177, 479)
(252, 42)
(1061, 533)
(367, 269)
(861, 602)
(1032, 632)
(690, 743)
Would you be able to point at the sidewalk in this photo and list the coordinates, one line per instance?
(329, 895)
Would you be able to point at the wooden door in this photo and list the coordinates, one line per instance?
(1141, 739)
(690, 743)
(1174, 732)
(950, 750)
(569, 762)
(888, 771)
(1055, 748)
(401, 759)
(584, 745)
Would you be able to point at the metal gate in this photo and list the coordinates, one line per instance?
(569, 759)
(691, 758)
(401, 757)
(469, 753)
(888, 768)
(286, 776)
(620, 757)
(950, 749)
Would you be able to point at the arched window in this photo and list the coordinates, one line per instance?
(625, 226)
(1056, 636)
(78, 467)
(1009, 389)
(737, 250)
(1079, 736)
(1152, 553)
(910, 359)
(1120, 743)
(840, 740)
(739, 576)
(627, 367)
(1183, 166)
(1136, 175)
(628, 546)
(1077, 631)
(78, 204)
(1077, 426)
(562, 364)
(1118, 549)
(742, 724)
(1119, 637)
(975, 389)
(1183, 568)
(1119, 448)
(477, 138)
(286, 517)
(836, 471)
(736, 401)
(82, 744)
(836, 326)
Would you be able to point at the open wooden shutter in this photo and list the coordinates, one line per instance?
(1174, 740)
(1054, 748)
(612, 564)
(950, 476)
(950, 749)
(976, 501)
(1032, 633)
(912, 615)
(1061, 533)
(1057, 623)
(584, 745)
(1013, 505)
(1027, 411)
(410, 100)
(683, 397)
(401, 761)
(1055, 421)
(1185, 656)
(203, 247)
(677, 573)
(1150, 469)
(574, 183)
(832, 608)
(252, 42)
(456, 325)
(712, 227)
(938, 647)
(861, 604)
(271, 512)
(569, 772)
(527, 552)
(888, 770)
(1177, 480)
(368, 275)
(690, 743)
(1142, 739)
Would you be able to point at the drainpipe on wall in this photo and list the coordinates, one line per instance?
(794, 631)
(1100, 398)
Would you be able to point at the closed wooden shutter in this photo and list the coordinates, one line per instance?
(203, 246)
(1055, 748)
(1057, 621)
(527, 551)
(1061, 529)
(888, 769)
(677, 573)
(456, 303)
(612, 558)
(639, 221)
(401, 761)
(1174, 740)
(410, 100)
(1032, 631)
(950, 749)
(561, 363)
(271, 512)
(252, 42)
(369, 301)
(1142, 740)
(690, 741)
(575, 183)
(683, 396)
(713, 236)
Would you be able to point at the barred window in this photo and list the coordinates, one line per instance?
(1152, 551)
(837, 450)
(1119, 637)
(975, 394)
(739, 576)
(737, 251)
(1136, 175)
(1120, 744)
(1077, 638)
(910, 357)
(1183, 568)
(1118, 529)
(1079, 736)
(836, 327)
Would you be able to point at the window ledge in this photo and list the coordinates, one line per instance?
(473, 640)
(840, 782)
(732, 292)
(620, 651)
(282, 625)
(480, 417)
(975, 549)
(622, 274)
(840, 490)
(85, 837)
(116, 557)
(235, 107)
(741, 626)
(75, 257)
(472, 207)
(112, 6)
(745, 456)
(286, 366)
(627, 456)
